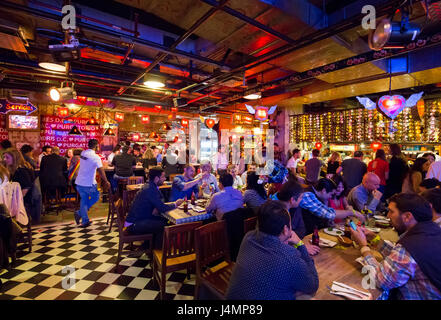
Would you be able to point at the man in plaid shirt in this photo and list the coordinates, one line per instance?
(411, 269)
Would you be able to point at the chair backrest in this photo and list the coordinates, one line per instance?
(178, 240)
(136, 180)
(249, 224)
(211, 244)
(128, 197)
(235, 228)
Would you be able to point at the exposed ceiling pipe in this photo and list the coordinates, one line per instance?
(111, 33)
(300, 43)
(178, 41)
(252, 21)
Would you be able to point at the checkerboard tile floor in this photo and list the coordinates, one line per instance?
(92, 253)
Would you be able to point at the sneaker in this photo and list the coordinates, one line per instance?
(85, 225)
(77, 217)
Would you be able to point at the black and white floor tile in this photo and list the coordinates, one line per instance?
(92, 253)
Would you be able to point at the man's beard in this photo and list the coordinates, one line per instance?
(400, 227)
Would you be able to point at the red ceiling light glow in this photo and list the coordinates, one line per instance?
(145, 119)
(210, 123)
(376, 145)
(184, 122)
(174, 109)
(63, 112)
(158, 107)
(83, 99)
(136, 137)
(318, 145)
(103, 101)
(119, 116)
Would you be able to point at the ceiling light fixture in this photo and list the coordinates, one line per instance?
(253, 96)
(109, 132)
(63, 93)
(92, 122)
(153, 81)
(48, 62)
(75, 131)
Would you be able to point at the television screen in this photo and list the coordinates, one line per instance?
(23, 122)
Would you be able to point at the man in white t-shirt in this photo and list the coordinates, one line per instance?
(293, 161)
(86, 183)
(434, 171)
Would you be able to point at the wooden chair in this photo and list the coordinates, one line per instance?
(177, 252)
(135, 180)
(113, 198)
(26, 235)
(124, 237)
(211, 244)
(127, 199)
(249, 224)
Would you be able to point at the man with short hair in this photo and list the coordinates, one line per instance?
(434, 198)
(46, 150)
(116, 150)
(144, 215)
(86, 184)
(316, 210)
(353, 170)
(220, 160)
(251, 168)
(26, 151)
(185, 185)
(434, 171)
(366, 195)
(5, 144)
(430, 157)
(229, 199)
(123, 164)
(273, 263)
(291, 195)
(208, 184)
(293, 161)
(411, 269)
(312, 167)
(53, 171)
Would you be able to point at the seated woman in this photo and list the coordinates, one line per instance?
(339, 200)
(255, 194)
(415, 176)
(237, 180)
(21, 171)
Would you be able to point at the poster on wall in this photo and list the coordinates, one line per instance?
(55, 132)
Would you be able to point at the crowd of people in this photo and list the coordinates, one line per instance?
(290, 203)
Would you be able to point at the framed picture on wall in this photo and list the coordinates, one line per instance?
(23, 122)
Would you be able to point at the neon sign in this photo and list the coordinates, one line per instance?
(6, 106)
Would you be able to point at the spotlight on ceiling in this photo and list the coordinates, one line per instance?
(253, 96)
(153, 81)
(63, 93)
(49, 63)
(393, 35)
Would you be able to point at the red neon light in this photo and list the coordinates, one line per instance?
(145, 119)
(119, 116)
(318, 145)
(63, 112)
(158, 107)
(184, 122)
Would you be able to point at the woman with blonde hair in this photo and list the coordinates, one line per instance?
(20, 171)
(148, 158)
(333, 163)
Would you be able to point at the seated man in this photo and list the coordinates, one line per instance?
(229, 199)
(366, 195)
(273, 263)
(144, 215)
(251, 168)
(184, 186)
(209, 183)
(434, 197)
(123, 164)
(290, 195)
(411, 269)
(316, 212)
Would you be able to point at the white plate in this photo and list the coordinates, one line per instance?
(333, 232)
(377, 217)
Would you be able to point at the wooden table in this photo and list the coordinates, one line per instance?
(178, 216)
(131, 187)
(334, 264)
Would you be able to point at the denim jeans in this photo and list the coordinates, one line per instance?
(89, 196)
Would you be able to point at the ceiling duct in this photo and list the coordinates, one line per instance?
(12, 36)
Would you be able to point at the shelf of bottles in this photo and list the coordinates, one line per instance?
(361, 125)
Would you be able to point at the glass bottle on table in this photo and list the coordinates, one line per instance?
(185, 205)
(193, 199)
(315, 237)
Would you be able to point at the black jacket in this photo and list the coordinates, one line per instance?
(53, 170)
(124, 163)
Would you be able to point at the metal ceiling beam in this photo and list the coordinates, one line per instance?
(178, 41)
(111, 33)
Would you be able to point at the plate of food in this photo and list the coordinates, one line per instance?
(378, 217)
(333, 232)
(376, 230)
(382, 223)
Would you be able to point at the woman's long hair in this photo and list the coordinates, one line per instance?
(337, 180)
(380, 154)
(148, 154)
(335, 156)
(18, 161)
(252, 184)
(417, 167)
(4, 173)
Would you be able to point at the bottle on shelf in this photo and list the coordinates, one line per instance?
(185, 205)
(315, 237)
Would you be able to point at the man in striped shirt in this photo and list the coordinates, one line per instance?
(411, 269)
